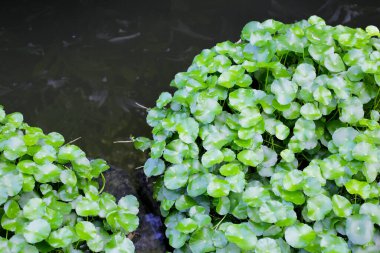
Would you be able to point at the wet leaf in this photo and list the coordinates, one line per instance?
(36, 231)
(359, 229)
(242, 235)
(299, 235)
(176, 176)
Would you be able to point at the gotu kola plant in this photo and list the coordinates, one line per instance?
(271, 144)
(50, 198)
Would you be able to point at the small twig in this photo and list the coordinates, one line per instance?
(140, 105)
(74, 140)
(139, 167)
(130, 141)
(131, 235)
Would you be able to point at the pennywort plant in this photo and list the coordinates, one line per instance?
(272, 143)
(50, 198)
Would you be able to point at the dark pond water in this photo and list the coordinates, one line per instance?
(79, 67)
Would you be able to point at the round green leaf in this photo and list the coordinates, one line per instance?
(299, 235)
(359, 229)
(36, 231)
(61, 238)
(85, 230)
(154, 167)
(176, 176)
(35, 208)
(119, 244)
(242, 235)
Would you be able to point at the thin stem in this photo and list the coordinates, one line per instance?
(273, 144)
(304, 156)
(140, 167)
(281, 57)
(218, 224)
(286, 57)
(77, 244)
(332, 116)
(104, 183)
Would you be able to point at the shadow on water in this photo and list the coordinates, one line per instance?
(79, 67)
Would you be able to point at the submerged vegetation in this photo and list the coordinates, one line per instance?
(271, 144)
(50, 197)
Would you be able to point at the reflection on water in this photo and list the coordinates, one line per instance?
(79, 67)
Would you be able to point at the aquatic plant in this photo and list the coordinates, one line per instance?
(271, 144)
(50, 198)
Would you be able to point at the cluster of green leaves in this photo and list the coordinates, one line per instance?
(271, 144)
(50, 198)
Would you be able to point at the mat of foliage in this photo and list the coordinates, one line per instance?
(50, 199)
(271, 144)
